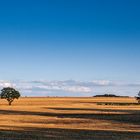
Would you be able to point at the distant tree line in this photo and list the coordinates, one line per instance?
(109, 95)
(113, 95)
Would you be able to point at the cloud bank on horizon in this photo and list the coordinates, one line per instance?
(72, 87)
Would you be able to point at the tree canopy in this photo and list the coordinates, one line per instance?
(9, 94)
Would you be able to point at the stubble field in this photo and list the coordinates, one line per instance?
(70, 119)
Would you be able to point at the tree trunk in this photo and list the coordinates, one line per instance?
(10, 102)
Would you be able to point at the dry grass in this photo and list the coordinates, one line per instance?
(70, 119)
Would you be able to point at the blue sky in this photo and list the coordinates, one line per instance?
(71, 40)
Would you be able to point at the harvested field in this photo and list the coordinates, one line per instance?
(70, 119)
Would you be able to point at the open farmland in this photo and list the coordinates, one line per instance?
(70, 119)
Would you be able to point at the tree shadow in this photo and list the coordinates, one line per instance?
(29, 133)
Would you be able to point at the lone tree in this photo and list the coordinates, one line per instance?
(9, 94)
(138, 98)
(139, 94)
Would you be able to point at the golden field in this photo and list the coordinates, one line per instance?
(70, 119)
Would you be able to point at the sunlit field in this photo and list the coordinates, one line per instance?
(70, 119)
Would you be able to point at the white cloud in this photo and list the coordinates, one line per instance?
(71, 87)
(6, 84)
(78, 89)
(102, 83)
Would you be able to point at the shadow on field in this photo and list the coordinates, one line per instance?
(102, 110)
(66, 134)
(129, 116)
(110, 103)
